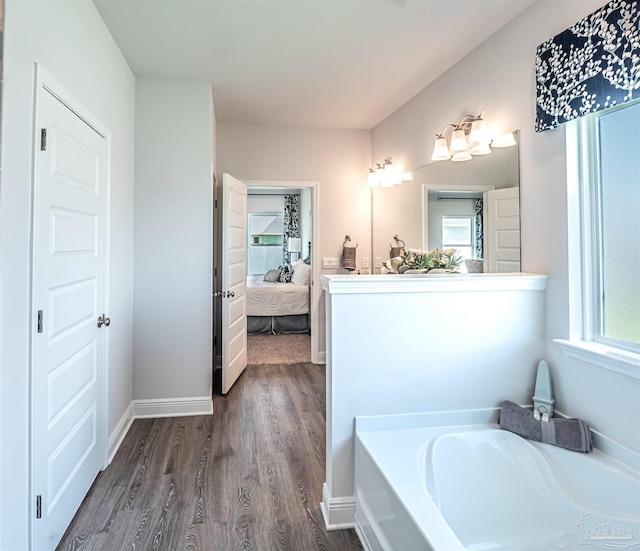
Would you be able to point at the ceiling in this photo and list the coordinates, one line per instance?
(308, 63)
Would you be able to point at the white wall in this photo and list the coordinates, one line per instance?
(173, 246)
(338, 160)
(72, 44)
(265, 204)
(403, 344)
(503, 83)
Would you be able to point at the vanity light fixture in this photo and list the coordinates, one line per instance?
(385, 174)
(469, 137)
(506, 140)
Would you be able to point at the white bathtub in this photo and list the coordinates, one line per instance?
(477, 487)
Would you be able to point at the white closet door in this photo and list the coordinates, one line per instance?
(502, 230)
(68, 271)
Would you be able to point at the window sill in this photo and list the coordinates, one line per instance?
(614, 359)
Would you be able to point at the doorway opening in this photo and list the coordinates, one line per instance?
(293, 250)
(287, 264)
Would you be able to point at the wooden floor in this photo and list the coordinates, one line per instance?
(247, 478)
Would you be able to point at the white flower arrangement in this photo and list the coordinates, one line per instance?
(436, 261)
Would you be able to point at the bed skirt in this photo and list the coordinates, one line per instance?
(278, 325)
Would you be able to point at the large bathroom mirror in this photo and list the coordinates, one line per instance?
(473, 206)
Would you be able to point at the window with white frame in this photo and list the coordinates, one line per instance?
(458, 233)
(265, 242)
(609, 188)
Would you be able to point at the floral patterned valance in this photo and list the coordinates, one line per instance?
(591, 66)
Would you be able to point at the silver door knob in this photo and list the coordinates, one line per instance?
(231, 294)
(104, 320)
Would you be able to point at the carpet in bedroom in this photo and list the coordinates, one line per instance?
(278, 349)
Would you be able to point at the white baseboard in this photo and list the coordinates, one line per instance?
(118, 434)
(338, 513)
(322, 357)
(172, 407)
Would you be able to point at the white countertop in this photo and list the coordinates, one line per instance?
(425, 283)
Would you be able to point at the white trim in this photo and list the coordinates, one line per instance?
(575, 230)
(121, 430)
(583, 212)
(322, 357)
(607, 357)
(338, 513)
(316, 287)
(172, 407)
(436, 283)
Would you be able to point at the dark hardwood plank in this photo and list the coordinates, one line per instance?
(249, 477)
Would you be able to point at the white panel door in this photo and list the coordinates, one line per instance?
(68, 288)
(502, 230)
(234, 280)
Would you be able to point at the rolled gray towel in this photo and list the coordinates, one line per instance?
(349, 258)
(572, 434)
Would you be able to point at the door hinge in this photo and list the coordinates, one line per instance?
(38, 506)
(43, 139)
(40, 321)
(215, 204)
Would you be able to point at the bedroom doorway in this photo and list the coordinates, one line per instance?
(270, 251)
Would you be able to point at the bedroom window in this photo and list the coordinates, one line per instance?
(611, 203)
(604, 238)
(265, 242)
(457, 233)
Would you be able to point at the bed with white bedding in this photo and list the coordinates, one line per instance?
(276, 299)
(274, 307)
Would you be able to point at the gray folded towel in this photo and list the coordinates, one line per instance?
(349, 258)
(572, 434)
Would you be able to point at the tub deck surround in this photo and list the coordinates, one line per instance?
(420, 478)
(403, 344)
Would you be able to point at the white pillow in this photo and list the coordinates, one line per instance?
(301, 274)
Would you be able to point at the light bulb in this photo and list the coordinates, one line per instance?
(506, 140)
(478, 134)
(440, 150)
(458, 142)
(480, 149)
(461, 156)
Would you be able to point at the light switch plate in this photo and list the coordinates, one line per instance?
(365, 261)
(330, 262)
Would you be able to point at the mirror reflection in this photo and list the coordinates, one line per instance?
(472, 206)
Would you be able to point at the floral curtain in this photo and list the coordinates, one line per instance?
(479, 248)
(291, 225)
(591, 66)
